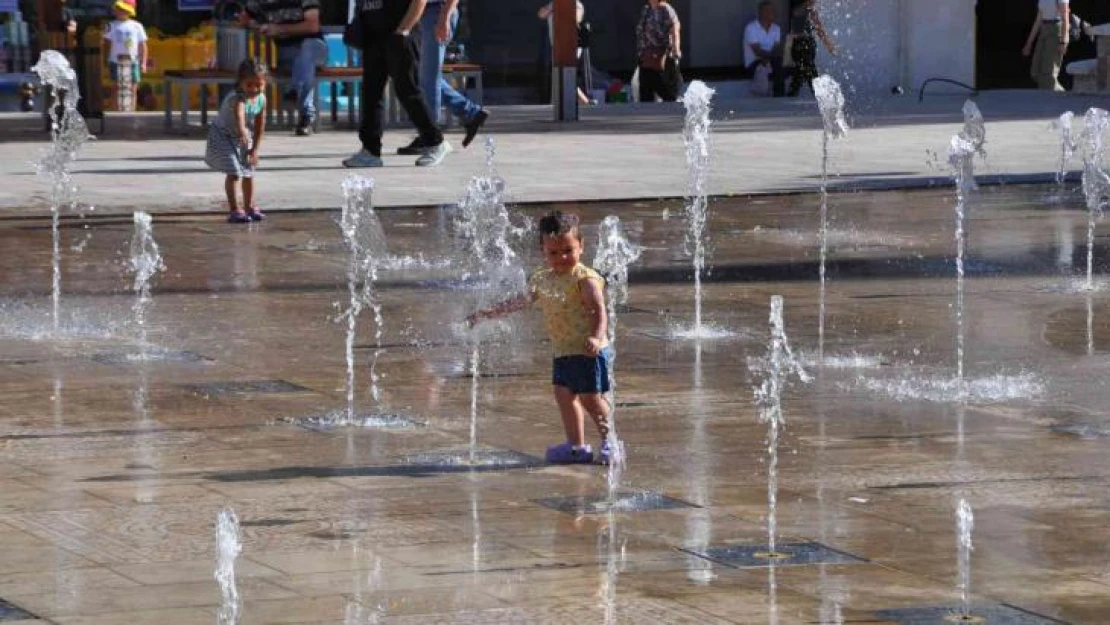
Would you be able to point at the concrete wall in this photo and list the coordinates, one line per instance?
(884, 43)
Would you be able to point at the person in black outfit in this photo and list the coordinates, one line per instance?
(390, 51)
(806, 27)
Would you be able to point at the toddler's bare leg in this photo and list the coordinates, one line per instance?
(571, 412)
(597, 404)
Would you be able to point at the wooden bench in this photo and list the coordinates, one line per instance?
(184, 78)
(351, 77)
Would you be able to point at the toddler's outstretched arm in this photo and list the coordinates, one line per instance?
(507, 307)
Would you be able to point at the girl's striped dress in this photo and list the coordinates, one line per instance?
(225, 151)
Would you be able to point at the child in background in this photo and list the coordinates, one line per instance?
(571, 297)
(234, 137)
(126, 40)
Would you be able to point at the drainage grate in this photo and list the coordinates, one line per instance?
(1087, 431)
(999, 614)
(138, 358)
(485, 458)
(217, 389)
(785, 554)
(9, 612)
(337, 419)
(625, 502)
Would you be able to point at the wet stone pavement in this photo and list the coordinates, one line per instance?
(112, 471)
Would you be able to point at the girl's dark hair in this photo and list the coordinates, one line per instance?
(557, 224)
(252, 68)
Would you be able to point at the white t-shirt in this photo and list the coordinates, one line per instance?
(125, 38)
(1050, 9)
(766, 39)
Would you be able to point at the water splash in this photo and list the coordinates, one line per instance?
(776, 368)
(365, 242)
(962, 151)
(1096, 182)
(229, 546)
(68, 133)
(485, 231)
(698, 102)
(614, 254)
(990, 389)
(830, 101)
(1068, 144)
(145, 263)
(965, 522)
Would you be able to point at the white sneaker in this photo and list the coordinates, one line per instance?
(435, 155)
(363, 158)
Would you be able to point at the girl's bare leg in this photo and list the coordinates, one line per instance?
(248, 193)
(229, 188)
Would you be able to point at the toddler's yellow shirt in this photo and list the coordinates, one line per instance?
(559, 297)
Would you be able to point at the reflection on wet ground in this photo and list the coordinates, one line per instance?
(112, 470)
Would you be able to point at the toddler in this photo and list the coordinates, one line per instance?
(571, 297)
(234, 137)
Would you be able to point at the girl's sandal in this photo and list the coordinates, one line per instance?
(238, 217)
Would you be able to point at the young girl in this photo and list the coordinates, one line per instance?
(570, 295)
(234, 137)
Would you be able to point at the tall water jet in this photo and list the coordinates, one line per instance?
(962, 151)
(1063, 126)
(1096, 183)
(145, 263)
(776, 368)
(229, 545)
(965, 522)
(365, 244)
(830, 101)
(695, 134)
(68, 133)
(486, 233)
(614, 254)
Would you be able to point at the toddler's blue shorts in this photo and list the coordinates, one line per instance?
(584, 374)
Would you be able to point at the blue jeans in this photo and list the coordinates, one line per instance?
(436, 89)
(302, 59)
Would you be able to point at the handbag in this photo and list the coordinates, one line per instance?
(788, 51)
(355, 33)
(653, 60)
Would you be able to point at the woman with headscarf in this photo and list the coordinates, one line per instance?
(659, 48)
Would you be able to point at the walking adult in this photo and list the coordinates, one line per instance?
(294, 27)
(1048, 41)
(389, 52)
(437, 28)
(659, 49)
(805, 28)
(763, 46)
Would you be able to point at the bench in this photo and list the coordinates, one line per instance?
(184, 78)
(460, 73)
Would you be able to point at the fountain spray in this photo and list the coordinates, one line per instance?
(1096, 182)
(777, 367)
(230, 546)
(830, 101)
(698, 102)
(145, 263)
(68, 133)
(961, 156)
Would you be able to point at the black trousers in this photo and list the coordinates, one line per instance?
(666, 84)
(392, 57)
(805, 64)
